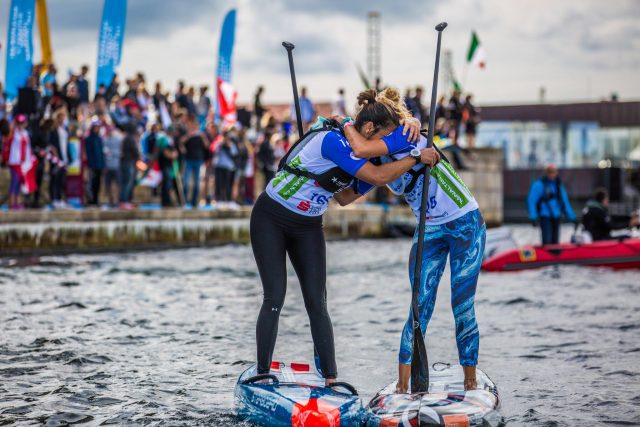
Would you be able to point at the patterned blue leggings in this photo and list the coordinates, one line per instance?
(463, 239)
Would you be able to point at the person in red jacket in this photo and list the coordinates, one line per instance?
(17, 155)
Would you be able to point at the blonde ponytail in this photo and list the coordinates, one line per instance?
(391, 98)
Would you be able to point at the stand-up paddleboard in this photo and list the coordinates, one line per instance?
(295, 395)
(446, 403)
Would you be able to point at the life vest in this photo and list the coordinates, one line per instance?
(333, 180)
(548, 195)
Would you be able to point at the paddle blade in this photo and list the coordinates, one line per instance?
(419, 362)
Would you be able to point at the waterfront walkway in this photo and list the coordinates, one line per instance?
(31, 233)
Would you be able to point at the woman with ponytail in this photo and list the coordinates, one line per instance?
(454, 229)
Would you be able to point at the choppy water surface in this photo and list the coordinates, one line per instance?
(160, 337)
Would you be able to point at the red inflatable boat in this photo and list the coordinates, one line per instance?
(618, 254)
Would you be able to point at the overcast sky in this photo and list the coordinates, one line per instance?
(577, 49)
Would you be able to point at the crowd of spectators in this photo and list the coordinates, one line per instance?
(99, 151)
(85, 151)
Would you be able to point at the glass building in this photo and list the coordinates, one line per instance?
(584, 135)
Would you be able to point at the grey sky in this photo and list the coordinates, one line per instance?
(577, 49)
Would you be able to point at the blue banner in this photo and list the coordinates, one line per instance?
(114, 18)
(19, 46)
(225, 51)
(226, 46)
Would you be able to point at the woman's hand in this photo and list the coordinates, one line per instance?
(429, 156)
(411, 125)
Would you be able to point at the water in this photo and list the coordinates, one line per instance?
(160, 337)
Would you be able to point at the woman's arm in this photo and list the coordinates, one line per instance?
(367, 148)
(384, 174)
(362, 147)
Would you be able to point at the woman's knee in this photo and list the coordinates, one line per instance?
(317, 307)
(273, 302)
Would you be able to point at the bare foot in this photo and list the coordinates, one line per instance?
(401, 388)
(470, 382)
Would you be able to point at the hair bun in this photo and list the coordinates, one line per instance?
(367, 97)
(390, 93)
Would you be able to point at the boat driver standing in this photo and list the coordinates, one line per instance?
(547, 202)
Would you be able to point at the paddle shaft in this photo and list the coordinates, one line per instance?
(419, 360)
(289, 47)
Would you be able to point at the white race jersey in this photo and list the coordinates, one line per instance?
(303, 195)
(449, 198)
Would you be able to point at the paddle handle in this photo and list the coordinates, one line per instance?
(296, 101)
(419, 360)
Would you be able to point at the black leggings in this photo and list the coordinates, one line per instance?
(276, 231)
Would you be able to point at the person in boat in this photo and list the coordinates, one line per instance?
(287, 219)
(455, 229)
(547, 202)
(597, 221)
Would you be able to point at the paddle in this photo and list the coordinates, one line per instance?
(419, 361)
(289, 46)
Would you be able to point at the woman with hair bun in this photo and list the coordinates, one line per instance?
(454, 228)
(287, 220)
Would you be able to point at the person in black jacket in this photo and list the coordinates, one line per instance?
(94, 152)
(597, 221)
(39, 144)
(455, 115)
(266, 157)
(417, 101)
(128, 158)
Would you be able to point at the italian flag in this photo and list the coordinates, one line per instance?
(475, 54)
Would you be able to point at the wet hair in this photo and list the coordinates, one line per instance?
(383, 109)
(600, 194)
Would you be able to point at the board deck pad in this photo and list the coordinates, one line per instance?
(446, 404)
(299, 399)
